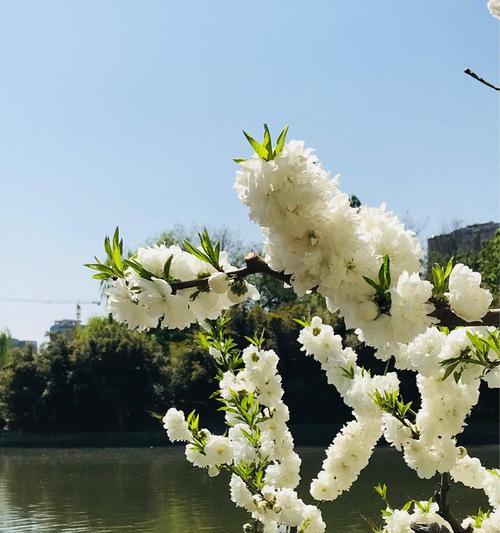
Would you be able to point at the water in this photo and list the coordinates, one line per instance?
(157, 491)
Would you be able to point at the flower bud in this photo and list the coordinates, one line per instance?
(213, 471)
(219, 282)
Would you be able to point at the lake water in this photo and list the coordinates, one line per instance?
(157, 491)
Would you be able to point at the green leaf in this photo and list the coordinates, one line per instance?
(372, 283)
(239, 160)
(166, 268)
(449, 268)
(107, 247)
(101, 276)
(407, 505)
(280, 143)
(259, 149)
(267, 141)
(449, 370)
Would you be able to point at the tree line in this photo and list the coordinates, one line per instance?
(104, 377)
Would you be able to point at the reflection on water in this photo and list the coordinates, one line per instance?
(157, 491)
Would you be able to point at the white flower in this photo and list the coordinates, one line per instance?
(240, 494)
(176, 426)
(345, 458)
(154, 258)
(319, 340)
(492, 378)
(219, 282)
(196, 457)
(218, 450)
(425, 350)
(123, 305)
(466, 297)
(156, 296)
(494, 7)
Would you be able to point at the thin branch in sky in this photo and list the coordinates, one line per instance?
(478, 78)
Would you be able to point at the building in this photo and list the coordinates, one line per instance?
(461, 242)
(64, 326)
(17, 343)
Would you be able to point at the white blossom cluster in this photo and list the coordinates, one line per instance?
(400, 520)
(494, 7)
(271, 444)
(366, 265)
(353, 446)
(147, 301)
(466, 297)
(312, 232)
(428, 443)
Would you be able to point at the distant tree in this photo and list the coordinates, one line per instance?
(118, 376)
(104, 378)
(22, 384)
(489, 266)
(4, 347)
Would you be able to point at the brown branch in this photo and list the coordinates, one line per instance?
(255, 264)
(441, 496)
(451, 320)
(469, 72)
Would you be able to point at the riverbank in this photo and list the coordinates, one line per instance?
(304, 435)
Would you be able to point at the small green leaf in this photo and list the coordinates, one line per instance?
(259, 149)
(280, 143)
(267, 141)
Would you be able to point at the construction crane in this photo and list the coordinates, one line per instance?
(77, 303)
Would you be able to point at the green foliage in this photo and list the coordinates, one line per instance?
(208, 253)
(391, 402)
(485, 352)
(265, 149)
(382, 294)
(440, 279)
(489, 266)
(4, 348)
(114, 264)
(486, 261)
(105, 378)
(479, 517)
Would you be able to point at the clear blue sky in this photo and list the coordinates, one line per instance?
(129, 112)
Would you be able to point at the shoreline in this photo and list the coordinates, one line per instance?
(304, 435)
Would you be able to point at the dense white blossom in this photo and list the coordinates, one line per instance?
(144, 299)
(467, 299)
(366, 264)
(176, 426)
(314, 234)
(346, 457)
(400, 520)
(494, 7)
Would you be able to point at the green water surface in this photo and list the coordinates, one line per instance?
(157, 491)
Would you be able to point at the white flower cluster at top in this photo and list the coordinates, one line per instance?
(144, 299)
(312, 232)
(494, 7)
(261, 444)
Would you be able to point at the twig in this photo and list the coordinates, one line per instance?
(255, 264)
(472, 74)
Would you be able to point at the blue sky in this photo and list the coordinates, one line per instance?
(127, 112)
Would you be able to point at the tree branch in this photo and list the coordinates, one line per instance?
(255, 264)
(441, 496)
(469, 72)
